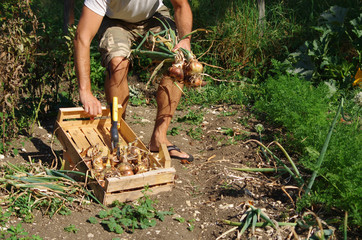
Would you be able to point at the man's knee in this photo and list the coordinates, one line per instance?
(118, 64)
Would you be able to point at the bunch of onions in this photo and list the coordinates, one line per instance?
(187, 69)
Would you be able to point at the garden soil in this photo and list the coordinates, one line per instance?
(206, 192)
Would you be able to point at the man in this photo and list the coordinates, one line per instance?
(119, 22)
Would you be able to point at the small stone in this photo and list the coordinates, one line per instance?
(90, 235)
(2, 156)
(188, 203)
(157, 231)
(226, 206)
(176, 216)
(144, 120)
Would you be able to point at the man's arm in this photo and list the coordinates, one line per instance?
(183, 20)
(88, 25)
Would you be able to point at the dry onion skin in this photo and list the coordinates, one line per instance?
(106, 164)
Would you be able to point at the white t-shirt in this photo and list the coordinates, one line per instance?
(127, 10)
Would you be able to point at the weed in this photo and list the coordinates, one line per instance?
(191, 224)
(180, 219)
(228, 114)
(136, 101)
(195, 133)
(71, 229)
(125, 217)
(192, 117)
(134, 116)
(17, 233)
(92, 220)
(174, 131)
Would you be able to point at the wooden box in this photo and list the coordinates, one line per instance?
(76, 132)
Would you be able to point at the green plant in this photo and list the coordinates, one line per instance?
(191, 224)
(92, 220)
(125, 217)
(192, 117)
(71, 228)
(227, 114)
(305, 112)
(17, 233)
(174, 131)
(323, 59)
(195, 133)
(180, 219)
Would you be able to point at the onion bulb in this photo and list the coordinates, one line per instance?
(194, 67)
(195, 81)
(175, 71)
(127, 173)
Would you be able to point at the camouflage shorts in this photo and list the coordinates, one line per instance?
(117, 36)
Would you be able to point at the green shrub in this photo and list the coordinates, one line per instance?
(306, 112)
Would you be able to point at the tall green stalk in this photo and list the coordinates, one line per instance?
(324, 149)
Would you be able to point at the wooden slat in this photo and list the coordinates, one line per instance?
(70, 149)
(109, 198)
(150, 178)
(126, 131)
(122, 142)
(105, 135)
(92, 136)
(76, 112)
(76, 123)
(165, 156)
(79, 138)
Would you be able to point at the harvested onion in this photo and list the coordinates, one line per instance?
(194, 67)
(176, 71)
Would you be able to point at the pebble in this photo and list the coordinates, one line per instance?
(175, 216)
(2, 156)
(196, 212)
(226, 206)
(188, 203)
(90, 235)
(157, 231)
(144, 120)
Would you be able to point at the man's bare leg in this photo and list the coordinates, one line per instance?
(116, 84)
(168, 97)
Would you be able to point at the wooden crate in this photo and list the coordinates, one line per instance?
(76, 132)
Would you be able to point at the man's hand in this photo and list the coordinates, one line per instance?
(184, 43)
(91, 105)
